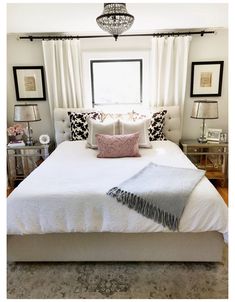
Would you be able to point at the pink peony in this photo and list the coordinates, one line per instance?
(14, 130)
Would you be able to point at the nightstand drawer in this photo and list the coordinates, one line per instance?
(194, 149)
(216, 149)
(207, 149)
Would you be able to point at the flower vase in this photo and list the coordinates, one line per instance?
(18, 137)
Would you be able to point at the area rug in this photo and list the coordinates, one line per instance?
(142, 280)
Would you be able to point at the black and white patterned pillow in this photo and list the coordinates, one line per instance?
(156, 126)
(79, 125)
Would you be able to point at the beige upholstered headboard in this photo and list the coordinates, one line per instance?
(62, 124)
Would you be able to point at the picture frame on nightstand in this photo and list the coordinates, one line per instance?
(213, 135)
(224, 137)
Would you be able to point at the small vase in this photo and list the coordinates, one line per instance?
(18, 137)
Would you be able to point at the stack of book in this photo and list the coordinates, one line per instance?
(14, 144)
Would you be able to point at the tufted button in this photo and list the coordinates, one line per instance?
(169, 130)
(169, 117)
(63, 121)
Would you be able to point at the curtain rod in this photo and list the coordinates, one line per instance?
(202, 33)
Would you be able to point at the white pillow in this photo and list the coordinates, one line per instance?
(98, 127)
(141, 126)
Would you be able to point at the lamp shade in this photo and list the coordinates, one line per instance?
(205, 110)
(26, 113)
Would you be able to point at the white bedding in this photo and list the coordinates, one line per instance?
(67, 193)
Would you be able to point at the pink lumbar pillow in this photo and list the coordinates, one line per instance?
(124, 145)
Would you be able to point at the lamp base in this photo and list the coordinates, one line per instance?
(202, 140)
(29, 142)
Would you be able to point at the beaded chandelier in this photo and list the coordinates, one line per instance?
(115, 19)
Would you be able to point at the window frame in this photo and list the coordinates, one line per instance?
(116, 61)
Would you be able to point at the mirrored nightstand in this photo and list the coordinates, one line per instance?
(21, 161)
(212, 157)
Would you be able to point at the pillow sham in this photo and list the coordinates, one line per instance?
(79, 125)
(141, 126)
(111, 146)
(156, 126)
(133, 115)
(98, 127)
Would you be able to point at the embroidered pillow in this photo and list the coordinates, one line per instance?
(156, 126)
(111, 146)
(79, 125)
(98, 127)
(133, 115)
(141, 126)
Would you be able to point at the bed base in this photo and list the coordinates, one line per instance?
(196, 247)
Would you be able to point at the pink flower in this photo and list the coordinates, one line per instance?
(14, 130)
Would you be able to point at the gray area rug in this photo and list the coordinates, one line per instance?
(129, 280)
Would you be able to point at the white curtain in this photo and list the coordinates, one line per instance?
(169, 70)
(63, 73)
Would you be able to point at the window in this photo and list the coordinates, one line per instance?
(116, 81)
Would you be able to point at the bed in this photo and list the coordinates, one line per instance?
(60, 212)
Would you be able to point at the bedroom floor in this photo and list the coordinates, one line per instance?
(118, 280)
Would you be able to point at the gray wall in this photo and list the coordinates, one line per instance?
(210, 48)
(24, 53)
(207, 48)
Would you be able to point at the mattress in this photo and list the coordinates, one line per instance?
(67, 193)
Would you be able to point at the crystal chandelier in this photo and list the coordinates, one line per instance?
(115, 19)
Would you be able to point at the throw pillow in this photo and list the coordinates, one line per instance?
(141, 126)
(118, 145)
(79, 125)
(156, 126)
(97, 127)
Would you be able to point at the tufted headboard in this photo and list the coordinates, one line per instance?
(62, 123)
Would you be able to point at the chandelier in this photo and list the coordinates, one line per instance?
(115, 19)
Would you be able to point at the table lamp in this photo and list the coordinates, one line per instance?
(27, 113)
(204, 110)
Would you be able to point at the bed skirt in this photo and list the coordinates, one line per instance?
(182, 247)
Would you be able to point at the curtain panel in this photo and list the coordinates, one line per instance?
(169, 71)
(62, 60)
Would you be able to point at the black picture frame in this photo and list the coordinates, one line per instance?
(206, 78)
(92, 62)
(29, 83)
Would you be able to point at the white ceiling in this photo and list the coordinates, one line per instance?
(81, 17)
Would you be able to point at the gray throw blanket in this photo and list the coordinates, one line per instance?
(158, 192)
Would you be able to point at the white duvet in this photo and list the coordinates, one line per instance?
(67, 193)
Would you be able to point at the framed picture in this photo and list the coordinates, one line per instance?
(224, 137)
(206, 78)
(213, 134)
(29, 83)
